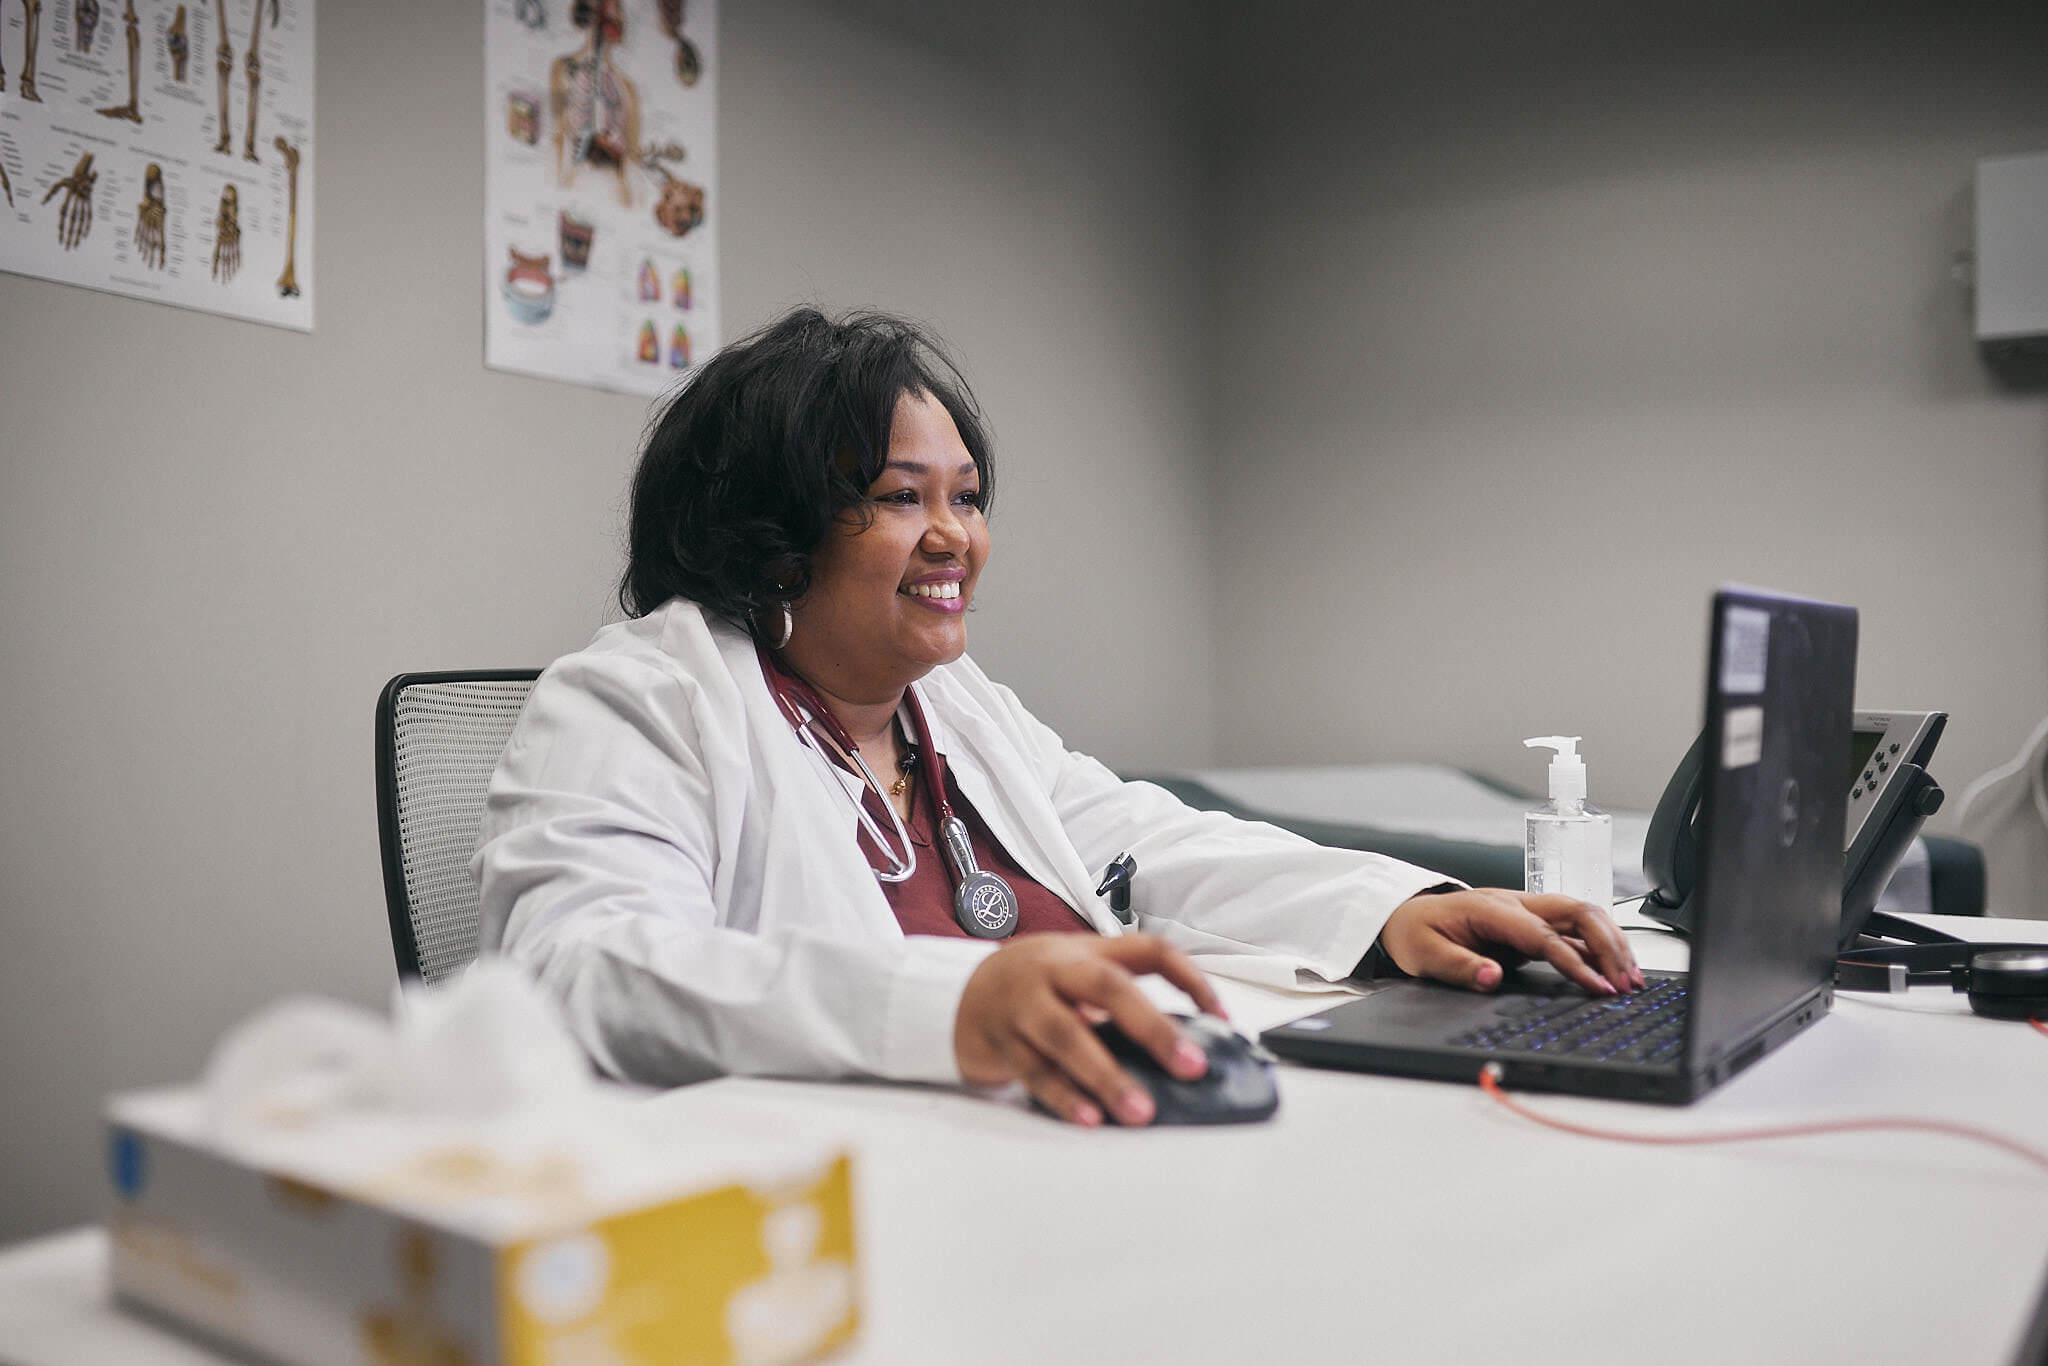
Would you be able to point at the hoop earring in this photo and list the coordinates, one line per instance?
(788, 626)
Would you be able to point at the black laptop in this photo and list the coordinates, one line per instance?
(1781, 677)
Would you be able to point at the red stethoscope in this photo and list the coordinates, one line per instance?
(983, 904)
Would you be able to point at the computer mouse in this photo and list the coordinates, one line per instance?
(1238, 1088)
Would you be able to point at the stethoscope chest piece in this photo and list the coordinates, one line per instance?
(983, 904)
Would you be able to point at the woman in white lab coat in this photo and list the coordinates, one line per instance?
(699, 879)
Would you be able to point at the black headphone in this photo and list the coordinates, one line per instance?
(2005, 981)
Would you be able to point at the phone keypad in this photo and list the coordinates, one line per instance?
(1881, 763)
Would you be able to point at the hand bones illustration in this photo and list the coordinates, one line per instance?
(74, 215)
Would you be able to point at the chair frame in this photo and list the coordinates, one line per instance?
(397, 901)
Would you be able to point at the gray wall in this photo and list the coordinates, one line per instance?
(1534, 323)
(217, 540)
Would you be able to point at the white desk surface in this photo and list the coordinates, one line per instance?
(1395, 1221)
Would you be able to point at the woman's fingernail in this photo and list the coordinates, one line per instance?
(1190, 1059)
(1087, 1115)
(1605, 985)
(1134, 1107)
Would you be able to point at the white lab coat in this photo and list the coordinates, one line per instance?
(672, 864)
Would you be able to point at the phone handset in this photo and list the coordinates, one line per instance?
(1881, 832)
(1671, 847)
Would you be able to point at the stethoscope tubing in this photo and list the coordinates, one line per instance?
(901, 867)
(983, 903)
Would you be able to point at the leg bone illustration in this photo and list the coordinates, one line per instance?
(175, 42)
(224, 64)
(6, 185)
(254, 63)
(288, 283)
(85, 17)
(28, 60)
(149, 218)
(227, 236)
(131, 111)
(74, 215)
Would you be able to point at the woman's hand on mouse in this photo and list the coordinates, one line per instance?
(1026, 1012)
(1460, 936)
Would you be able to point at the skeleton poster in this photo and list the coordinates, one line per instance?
(162, 150)
(601, 199)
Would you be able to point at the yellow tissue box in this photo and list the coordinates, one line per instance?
(373, 1242)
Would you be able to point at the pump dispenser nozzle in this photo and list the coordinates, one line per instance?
(1567, 769)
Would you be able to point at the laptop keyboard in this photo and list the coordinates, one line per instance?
(1646, 1026)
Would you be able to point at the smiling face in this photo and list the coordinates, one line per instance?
(888, 600)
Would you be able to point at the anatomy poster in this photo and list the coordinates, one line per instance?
(600, 189)
(161, 150)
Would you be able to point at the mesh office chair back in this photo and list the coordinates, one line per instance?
(439, 736)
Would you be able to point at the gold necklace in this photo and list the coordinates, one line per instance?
(908, 765)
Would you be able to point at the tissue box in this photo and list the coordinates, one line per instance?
(368, 1240)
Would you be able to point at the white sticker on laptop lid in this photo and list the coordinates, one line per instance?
(1742, 737)
(1745, 648)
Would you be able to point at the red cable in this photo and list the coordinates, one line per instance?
(2041, 1025)
(1489, 1082)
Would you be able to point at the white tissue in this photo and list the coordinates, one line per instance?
(487, 1043)
(472, 1106)
(491, 1044)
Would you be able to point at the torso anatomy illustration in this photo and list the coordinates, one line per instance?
(105, 126)
(595, 108)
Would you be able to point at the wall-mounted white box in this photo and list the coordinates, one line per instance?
(2012, 261)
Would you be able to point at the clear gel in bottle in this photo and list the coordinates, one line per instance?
(1568, 846)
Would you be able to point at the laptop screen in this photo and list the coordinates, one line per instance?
(1780, 693)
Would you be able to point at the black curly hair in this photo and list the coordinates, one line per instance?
(748, 466)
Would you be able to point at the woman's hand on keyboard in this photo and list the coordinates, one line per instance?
(1464, 937)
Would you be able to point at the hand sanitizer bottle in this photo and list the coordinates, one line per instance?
(1568, 846)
